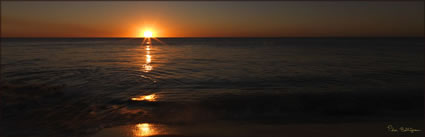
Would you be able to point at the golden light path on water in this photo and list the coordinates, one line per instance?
(147, 66)
(146, 129)
(151, 97)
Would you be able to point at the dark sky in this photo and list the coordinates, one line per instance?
(212, 19)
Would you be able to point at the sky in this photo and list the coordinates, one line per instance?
(212, 19)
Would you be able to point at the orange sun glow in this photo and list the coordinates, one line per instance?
(147, 34)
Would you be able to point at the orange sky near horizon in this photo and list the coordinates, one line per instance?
(211, 19)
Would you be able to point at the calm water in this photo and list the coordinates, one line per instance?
(88, 84)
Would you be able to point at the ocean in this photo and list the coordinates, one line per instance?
(200, 86)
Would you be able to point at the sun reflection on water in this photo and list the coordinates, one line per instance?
(151, 97)
(147, 67)
(145, 129)
(148, 58)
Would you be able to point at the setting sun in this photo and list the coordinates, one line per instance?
(147, 34)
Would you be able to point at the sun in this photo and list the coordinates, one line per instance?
(147, 34)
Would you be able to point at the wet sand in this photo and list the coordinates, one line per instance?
(44, 111)
(225, 129)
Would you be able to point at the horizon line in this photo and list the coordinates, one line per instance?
(219, 0)
(242, 37)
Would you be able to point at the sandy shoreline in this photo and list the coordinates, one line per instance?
(226, 129)
(53, 113)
